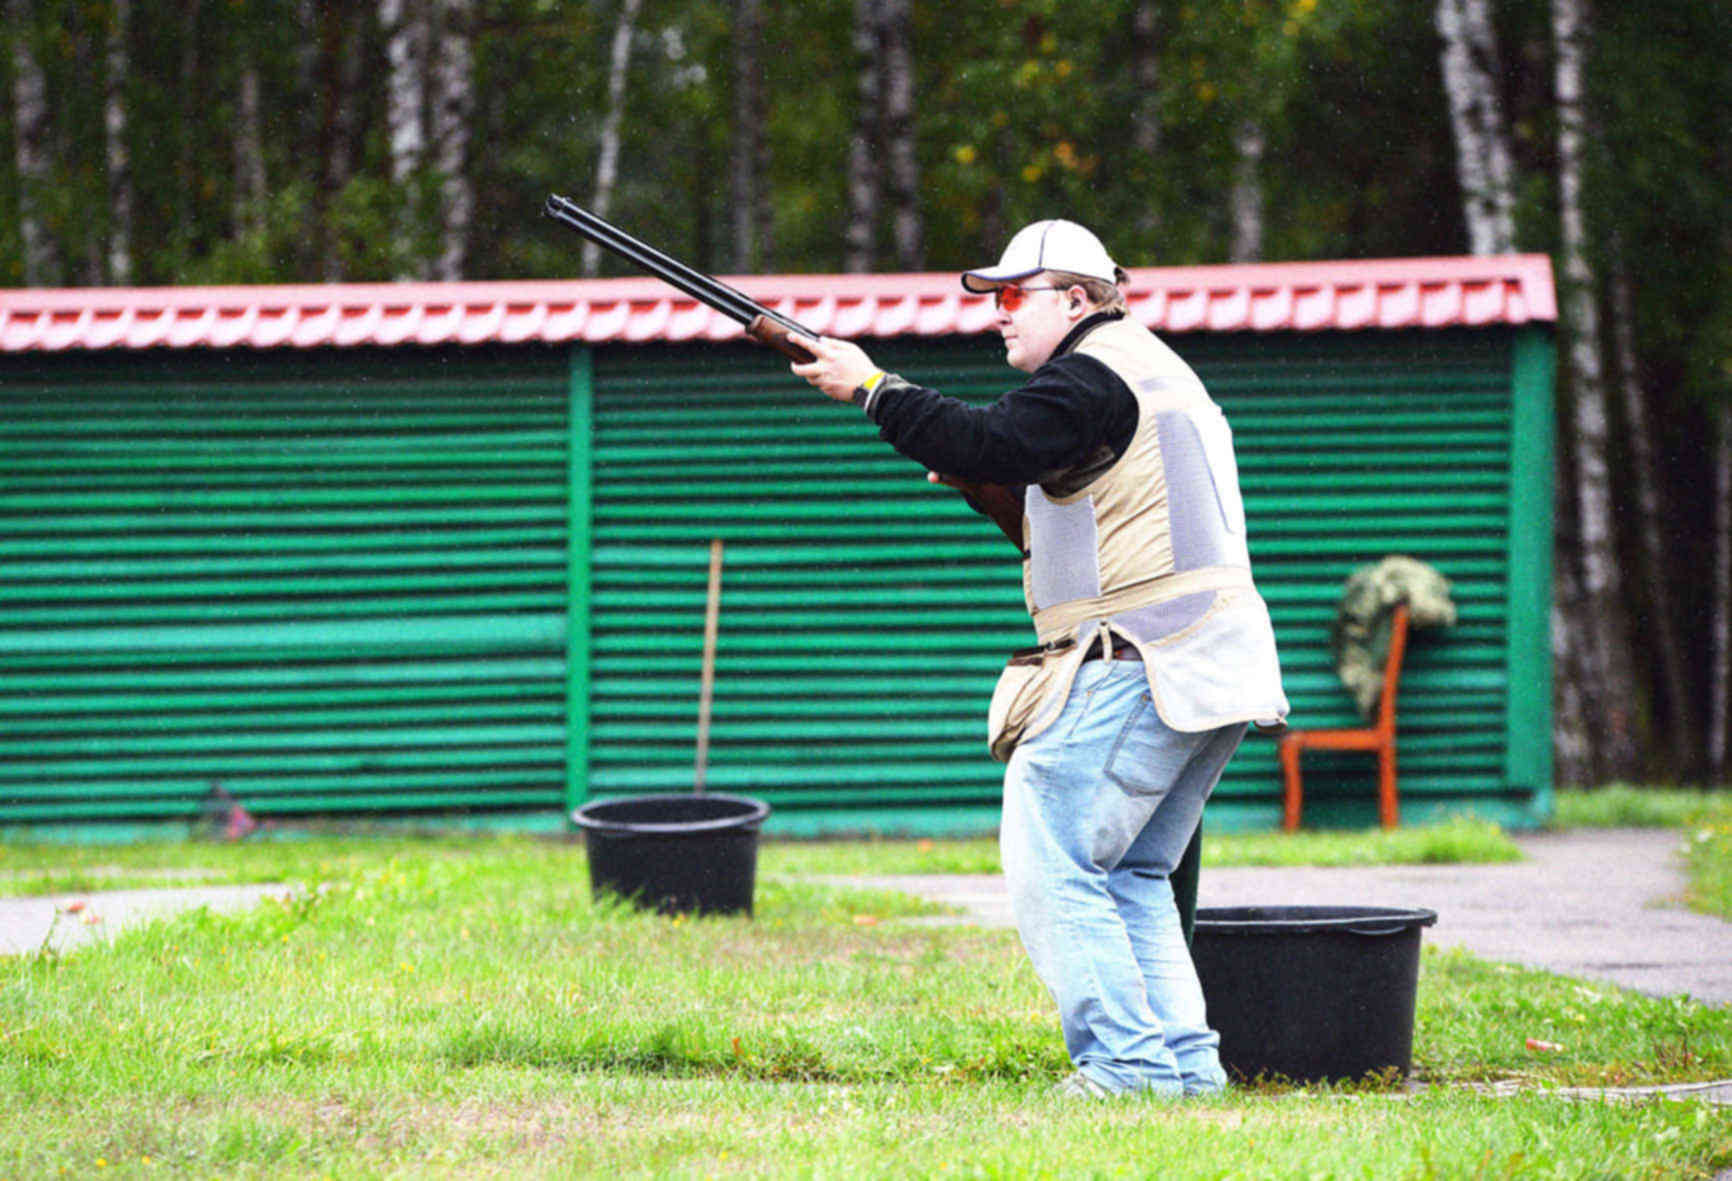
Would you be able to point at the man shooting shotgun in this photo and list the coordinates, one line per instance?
(1156, 650)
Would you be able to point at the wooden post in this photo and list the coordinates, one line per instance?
(707, 685)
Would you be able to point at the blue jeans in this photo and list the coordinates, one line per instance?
(1098, 810)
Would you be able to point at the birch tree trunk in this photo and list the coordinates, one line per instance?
(1609, 690)
(251, 190)
(1720, 673)
(405, 85)
(1247, 197)
(30, 107)
(865, 179)
(119, 162)
(1572, 753)
(607, 161)
(406, 35)
(453, 108)
(1572, 749)
(750, 185)
(906, 228)
(1483, 162)
(1651, 522)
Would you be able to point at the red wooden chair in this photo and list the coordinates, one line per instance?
(1378, 737)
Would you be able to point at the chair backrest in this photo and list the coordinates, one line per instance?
(1392, 669)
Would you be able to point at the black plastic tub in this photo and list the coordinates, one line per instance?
(677, 854)
(1311, 993)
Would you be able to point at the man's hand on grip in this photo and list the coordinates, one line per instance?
(839, 368)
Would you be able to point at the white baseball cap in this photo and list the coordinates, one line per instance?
(1053, 245)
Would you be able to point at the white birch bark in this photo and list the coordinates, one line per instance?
(30, 114)
(1572, 754)
(607, 162)
(1483, 161)
(406, 36)
(907, 230)
(1610, 689)
(1720, 625)
(1661, 629)
(1499, 163)
(1247, 196)
(114, 132)
(865, 178)
(405, 85)
(453, 108)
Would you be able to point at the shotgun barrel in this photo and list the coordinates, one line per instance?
(761, 323)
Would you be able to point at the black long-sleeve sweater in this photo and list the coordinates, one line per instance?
(1073, 415)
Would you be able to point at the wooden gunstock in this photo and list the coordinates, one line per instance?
(1002, 503)
(769, 332)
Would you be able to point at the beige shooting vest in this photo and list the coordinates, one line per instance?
(1152, 549)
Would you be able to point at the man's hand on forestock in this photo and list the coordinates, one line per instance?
(841, 366)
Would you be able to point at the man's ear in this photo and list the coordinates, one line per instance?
(1076, 299)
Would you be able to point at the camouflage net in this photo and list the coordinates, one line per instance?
(1359, 638)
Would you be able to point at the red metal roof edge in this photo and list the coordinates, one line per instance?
(1257, 297)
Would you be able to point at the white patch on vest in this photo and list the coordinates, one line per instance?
(1203, 502)
(1064, 549)
(1223, 467)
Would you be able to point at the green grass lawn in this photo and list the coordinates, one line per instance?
(461, 1008)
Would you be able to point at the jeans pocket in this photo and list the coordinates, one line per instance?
(1134, 763)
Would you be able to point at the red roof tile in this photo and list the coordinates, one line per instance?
(1305, 297)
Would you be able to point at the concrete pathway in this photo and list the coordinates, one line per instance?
(1600, 904)
(61, 922)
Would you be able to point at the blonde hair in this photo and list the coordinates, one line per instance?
(1106, 297)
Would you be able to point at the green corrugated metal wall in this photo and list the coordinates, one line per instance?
(324, 583)
(338, 581)
(865, 615)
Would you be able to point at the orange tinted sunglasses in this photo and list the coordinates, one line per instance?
(1011, 297)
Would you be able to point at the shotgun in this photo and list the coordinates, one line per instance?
(1002, 504)
(761, 324)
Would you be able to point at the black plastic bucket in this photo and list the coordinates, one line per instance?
(678, 854)
(1311, 993)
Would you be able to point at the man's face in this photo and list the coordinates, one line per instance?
(1034, 317)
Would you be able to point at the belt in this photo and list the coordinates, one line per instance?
(1121, 651)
